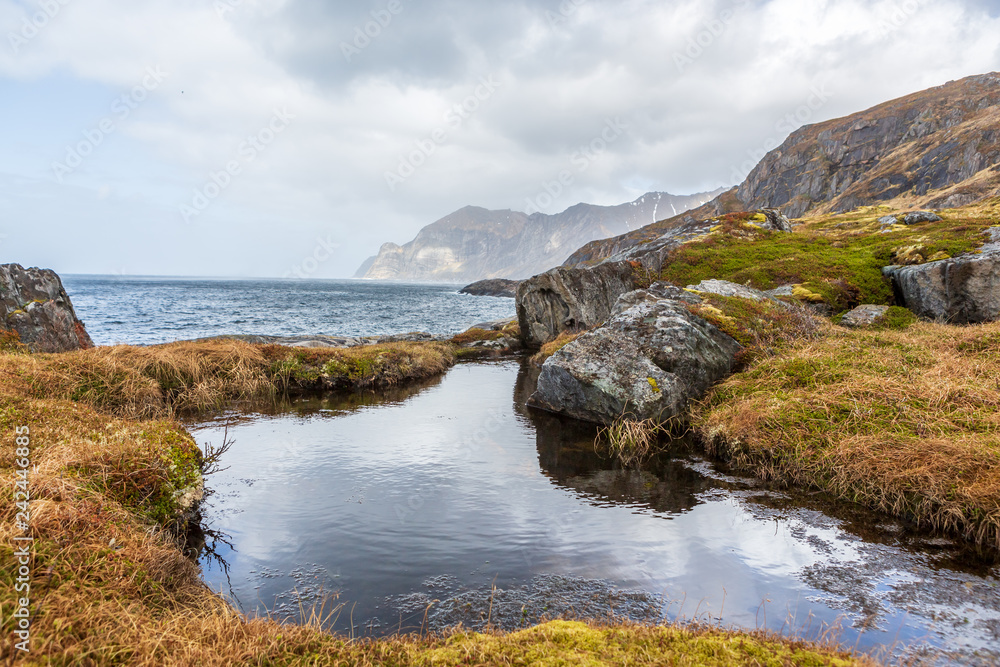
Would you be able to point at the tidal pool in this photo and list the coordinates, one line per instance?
(452, 503)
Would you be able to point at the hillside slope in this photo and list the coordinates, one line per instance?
(475, 243)
(937, 149)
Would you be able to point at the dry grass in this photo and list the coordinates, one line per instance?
(906, 422)
(631, 441)
(144, 382)
(553, 346)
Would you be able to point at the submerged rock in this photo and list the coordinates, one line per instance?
(496, 287)
(651, 358)
(959, 290)
(34, 303)
(570, 299)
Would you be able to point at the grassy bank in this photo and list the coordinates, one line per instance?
(143, 382)
(902, 421)
(110, 584)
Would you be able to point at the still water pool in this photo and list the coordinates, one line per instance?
(451, 502)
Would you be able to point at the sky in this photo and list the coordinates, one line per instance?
(273, 138)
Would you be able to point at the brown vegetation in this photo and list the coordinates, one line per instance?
(906, 422)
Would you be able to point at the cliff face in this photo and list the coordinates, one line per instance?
(476, 243)
(939, 148)
(34, 304)
(914, 145)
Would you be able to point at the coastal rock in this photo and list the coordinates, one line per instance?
(570, 299)
(863, 316)
(34, 303)
(495, 287)
(648, 361)
(961, 290)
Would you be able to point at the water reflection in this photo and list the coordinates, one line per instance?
(452, 503)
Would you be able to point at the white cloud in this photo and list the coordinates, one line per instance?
(688, 130)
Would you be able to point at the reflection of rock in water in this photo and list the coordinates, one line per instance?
(546, 597)
(566, 454)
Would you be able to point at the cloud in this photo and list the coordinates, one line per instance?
(702, 87)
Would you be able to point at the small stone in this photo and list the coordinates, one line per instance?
(888, 220)
(863, 316)
(918, 217)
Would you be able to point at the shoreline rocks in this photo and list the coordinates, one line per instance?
(497, 287)
(649, 360)
(570, 299)
(34, 304)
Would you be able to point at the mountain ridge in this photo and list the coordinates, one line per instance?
(475, 243)
(937, 148)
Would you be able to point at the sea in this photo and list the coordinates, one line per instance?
(138, 310)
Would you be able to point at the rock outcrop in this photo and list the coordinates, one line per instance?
(34, 304)
(494, 287)
(958, 290)
(475, 243)
(570, 299)
(648, 361)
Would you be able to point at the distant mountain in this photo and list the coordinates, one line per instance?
(475, 243)
(939, 148)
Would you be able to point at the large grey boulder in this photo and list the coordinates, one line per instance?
(649, 360)
(960, 290)
(570, 299)
(34, 303)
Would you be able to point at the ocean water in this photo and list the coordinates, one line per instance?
(147, 311)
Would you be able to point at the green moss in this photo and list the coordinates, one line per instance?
(897, 319)
(574, 643)
(837, 260)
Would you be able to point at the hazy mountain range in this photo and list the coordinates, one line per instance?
(475, 243)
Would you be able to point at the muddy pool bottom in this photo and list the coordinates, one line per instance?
(452, 503)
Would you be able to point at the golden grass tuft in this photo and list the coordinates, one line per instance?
(630, 440)
(905, 422)
(553, 346)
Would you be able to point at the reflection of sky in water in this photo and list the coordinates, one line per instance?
(457, 481)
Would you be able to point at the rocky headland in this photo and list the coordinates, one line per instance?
(35, 306)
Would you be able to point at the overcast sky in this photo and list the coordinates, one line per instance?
(242, 137)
